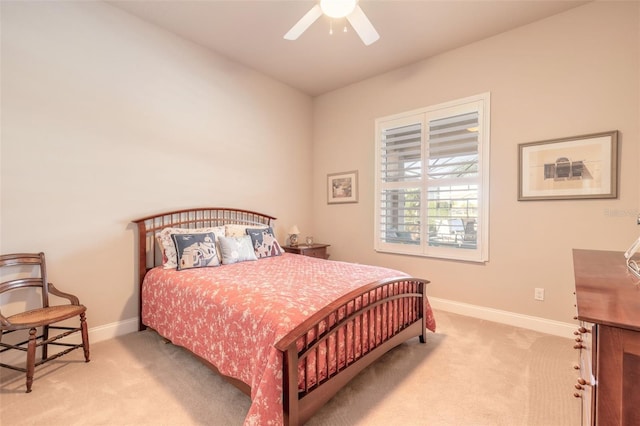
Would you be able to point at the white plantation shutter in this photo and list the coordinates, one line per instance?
(401, 172)
(453, 146)
(401, 153)
(431, 169)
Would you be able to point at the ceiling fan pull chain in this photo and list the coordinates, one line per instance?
(331, 27)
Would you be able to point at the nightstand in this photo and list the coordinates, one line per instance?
(313, 250)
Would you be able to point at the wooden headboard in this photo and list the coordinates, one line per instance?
(150, 255)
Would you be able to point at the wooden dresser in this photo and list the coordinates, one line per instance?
(608, 337)
(312, 250)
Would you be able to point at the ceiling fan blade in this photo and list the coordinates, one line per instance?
(363, 26)
(304, 23)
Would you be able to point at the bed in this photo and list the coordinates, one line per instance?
(288, 330)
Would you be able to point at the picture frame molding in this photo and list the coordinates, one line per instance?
(332, 179)
(610, 168)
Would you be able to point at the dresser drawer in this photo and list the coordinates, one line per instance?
(313, 250)
(586, 384)
(316, 252)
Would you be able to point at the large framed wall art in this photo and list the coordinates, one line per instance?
(569, 168)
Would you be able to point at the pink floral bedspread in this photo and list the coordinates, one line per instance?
(233, 315)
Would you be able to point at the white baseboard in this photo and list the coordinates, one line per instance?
(114, 329)
(542, 325)
(556, 328)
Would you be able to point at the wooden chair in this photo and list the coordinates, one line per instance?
(28, 271)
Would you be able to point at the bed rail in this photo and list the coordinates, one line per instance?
(345, 337)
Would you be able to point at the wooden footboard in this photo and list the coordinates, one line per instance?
(345, 337)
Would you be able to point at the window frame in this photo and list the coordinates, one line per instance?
(425, 115)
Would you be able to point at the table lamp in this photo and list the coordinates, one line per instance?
(293, 235)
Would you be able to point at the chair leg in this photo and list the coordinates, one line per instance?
(45, 336)
(31, 358)
(85, 336)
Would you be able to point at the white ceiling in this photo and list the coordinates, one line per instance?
(251, 33)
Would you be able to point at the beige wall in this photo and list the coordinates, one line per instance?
(571, 74)
(106, 119)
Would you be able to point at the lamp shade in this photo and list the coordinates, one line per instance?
(294, 230)
(337, 8)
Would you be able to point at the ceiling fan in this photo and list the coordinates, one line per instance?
(337, 9)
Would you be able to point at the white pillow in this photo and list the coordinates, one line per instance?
(236, 249)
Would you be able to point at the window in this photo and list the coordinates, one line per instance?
(432, 181)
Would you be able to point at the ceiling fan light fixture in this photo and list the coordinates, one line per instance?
(337, 8)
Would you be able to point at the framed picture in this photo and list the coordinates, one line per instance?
(569, 168)
(342, 187)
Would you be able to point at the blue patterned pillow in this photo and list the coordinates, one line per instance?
(264, 242)
(195, 250)
(236, 249)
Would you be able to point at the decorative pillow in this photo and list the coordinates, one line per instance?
(196, 250)
(168, 247)
(236, 249)
(235, 230)
(264, 242)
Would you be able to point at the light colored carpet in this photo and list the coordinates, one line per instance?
(471, 372)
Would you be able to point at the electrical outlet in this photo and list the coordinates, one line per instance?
(538, 294)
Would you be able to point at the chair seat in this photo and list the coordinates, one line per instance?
(43, 316)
